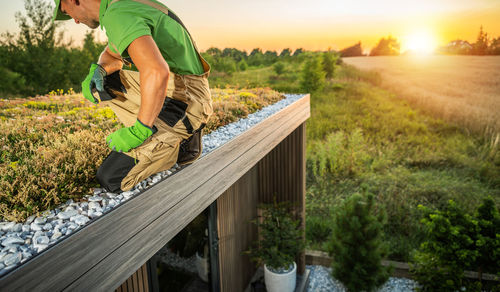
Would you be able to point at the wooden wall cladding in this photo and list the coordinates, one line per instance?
(137, 282)
(281, 172)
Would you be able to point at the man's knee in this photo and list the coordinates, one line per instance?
(113, 169)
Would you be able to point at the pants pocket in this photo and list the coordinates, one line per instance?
(172, 111)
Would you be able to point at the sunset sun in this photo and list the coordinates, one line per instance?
(420, 43)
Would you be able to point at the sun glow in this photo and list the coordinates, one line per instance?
(421, 42)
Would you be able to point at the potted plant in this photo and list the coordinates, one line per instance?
(202, 258)
(280, 240)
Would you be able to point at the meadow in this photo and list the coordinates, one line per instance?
(461, 89)
(364, 137)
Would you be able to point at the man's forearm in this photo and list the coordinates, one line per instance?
(109, 61)
(153, 92)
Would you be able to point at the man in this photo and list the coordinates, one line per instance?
(156, 126)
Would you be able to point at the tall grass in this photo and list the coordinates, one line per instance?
(364, 138)
(462, 89)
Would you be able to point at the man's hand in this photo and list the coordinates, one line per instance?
(95, 79)
(125, 139)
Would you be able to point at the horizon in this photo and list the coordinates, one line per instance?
(321, 25)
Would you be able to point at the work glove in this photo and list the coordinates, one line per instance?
(124, 139)
(95, 81)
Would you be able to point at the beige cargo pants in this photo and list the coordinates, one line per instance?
(188, 98)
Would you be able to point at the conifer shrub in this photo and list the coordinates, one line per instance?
(329, 63)
(312, 76)
(455, 242)
(242, 65)
(356, 244)
(318, 229)
(280, 237)
(279, 68)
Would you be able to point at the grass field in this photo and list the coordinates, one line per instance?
(461, 89)
(364, 138)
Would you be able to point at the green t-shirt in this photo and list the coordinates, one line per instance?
(126, 20)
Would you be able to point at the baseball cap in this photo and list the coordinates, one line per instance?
(58, 15)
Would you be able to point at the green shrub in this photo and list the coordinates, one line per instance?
(313, 76)
(279, 68)
(318, 229)
(280, 237)
(11, 82)
(242, 65)
(457, 241)
(329, 61)
(356, 245)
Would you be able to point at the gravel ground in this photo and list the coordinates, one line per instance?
(20, 242)
(320, 280)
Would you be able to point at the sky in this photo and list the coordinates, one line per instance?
(314, 24)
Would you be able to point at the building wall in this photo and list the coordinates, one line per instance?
(282, 173)
(235, 208)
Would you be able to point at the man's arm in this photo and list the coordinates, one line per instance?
(110, 61)
(154, 73)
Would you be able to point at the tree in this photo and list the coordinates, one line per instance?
(298, 52)
(495, 46)
(356, 245)
(459, 47)
(279, 68)
(33, 54)
(352, 51)
(256, 57)
(329, 60)
(480, 47)
(312, 77)
(242, 65)
(286, 53)
(270, 57)
(214, 52)
(235, 54)
(298, 56)
(386, 47)
(225, 64)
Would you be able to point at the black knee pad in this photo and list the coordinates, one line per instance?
(113, 170)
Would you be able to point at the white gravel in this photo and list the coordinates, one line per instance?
(320, 280)
(20, 242)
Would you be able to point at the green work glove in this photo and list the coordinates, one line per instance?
(127, 138)
(95, 80)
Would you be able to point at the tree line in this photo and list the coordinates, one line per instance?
(231, 60)
(37, 60)
(390, 46)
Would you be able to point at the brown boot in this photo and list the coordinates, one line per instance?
(190, 149)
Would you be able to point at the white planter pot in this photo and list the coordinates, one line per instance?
(202, 267)
(280, 282)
